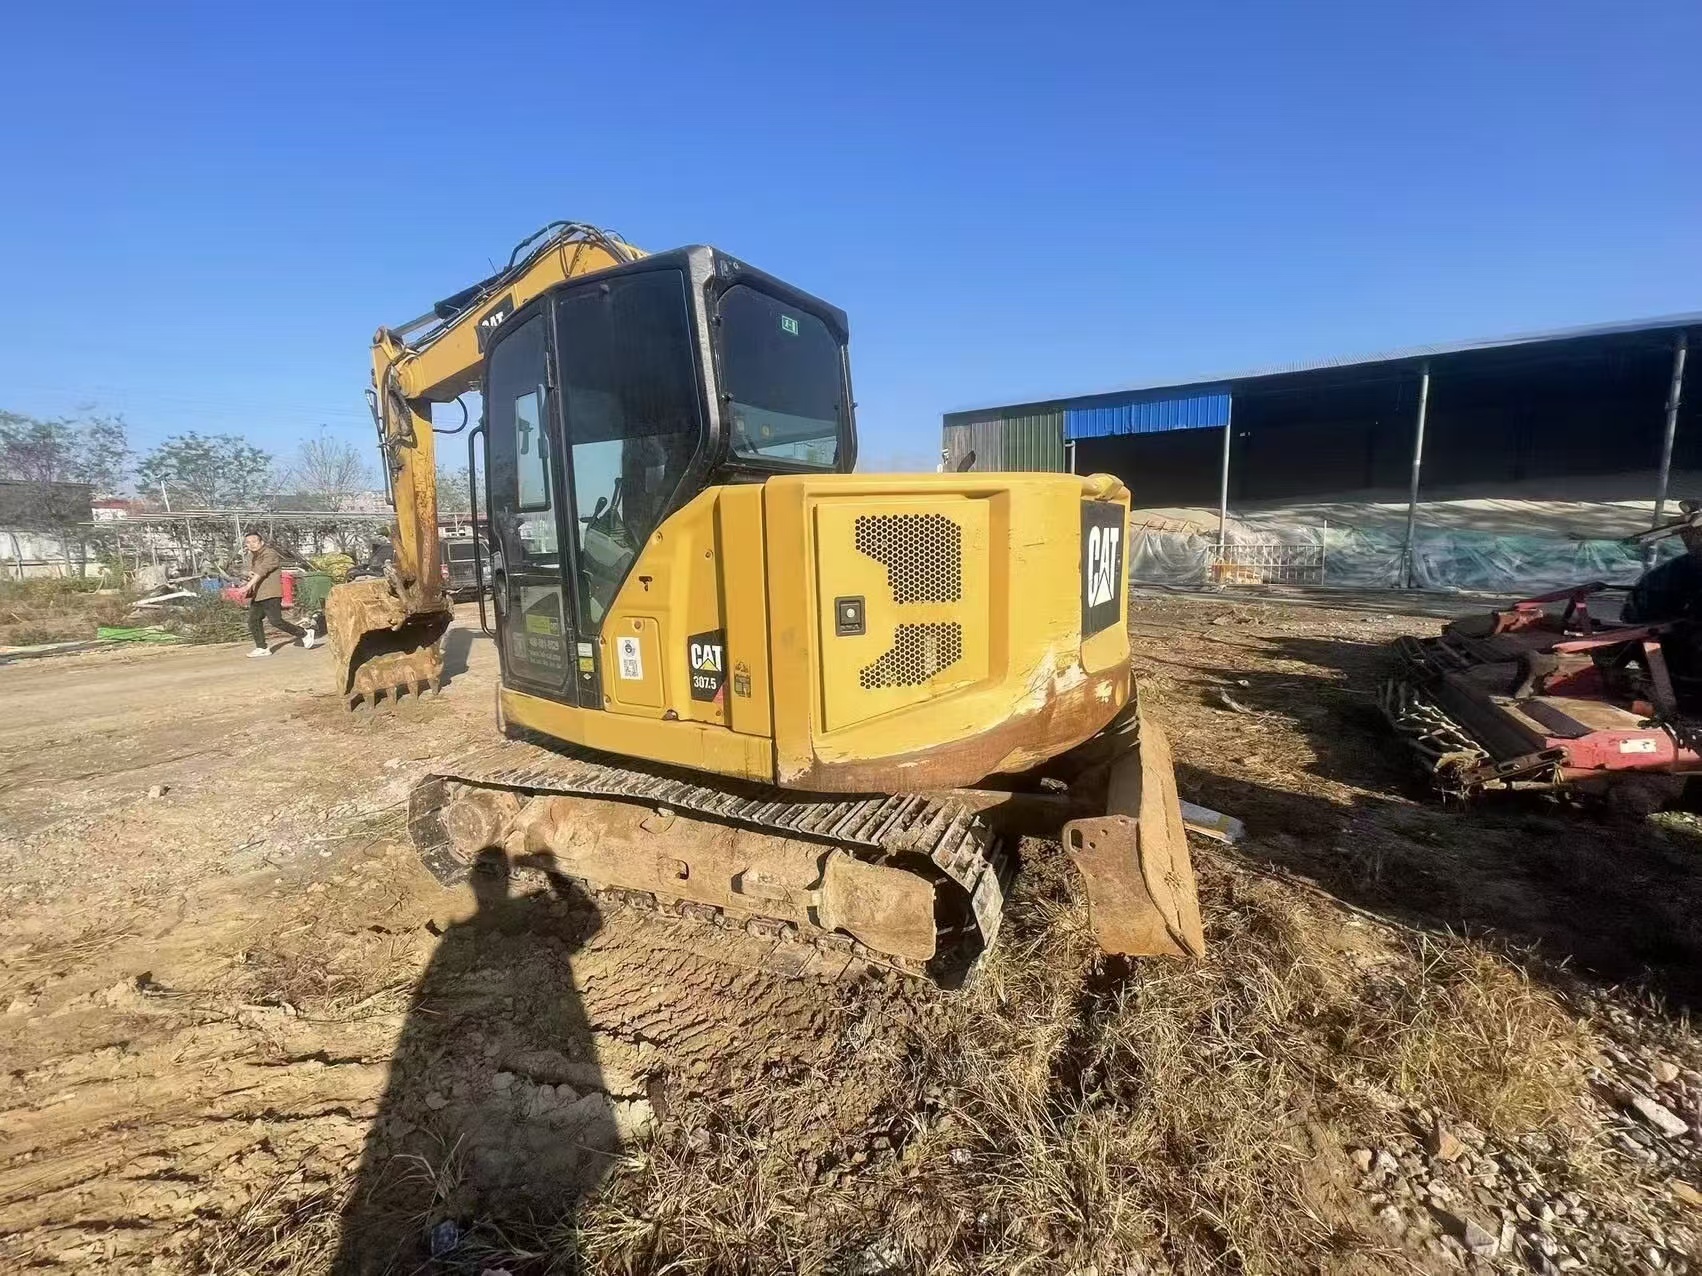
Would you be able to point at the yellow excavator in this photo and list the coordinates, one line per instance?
(739, 681)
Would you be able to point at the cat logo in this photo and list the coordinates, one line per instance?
(1102, 559)
(1101, 565)
(491, 320)
(707, 656)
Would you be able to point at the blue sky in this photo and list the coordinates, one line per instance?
(210, 207)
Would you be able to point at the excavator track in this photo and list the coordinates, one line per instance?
(899, 830)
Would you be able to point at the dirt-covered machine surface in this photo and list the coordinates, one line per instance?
(911, 882)
(1546, 695)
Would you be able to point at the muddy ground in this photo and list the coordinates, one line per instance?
(246, 1031)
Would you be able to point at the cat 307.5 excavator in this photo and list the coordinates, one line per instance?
(739, 681)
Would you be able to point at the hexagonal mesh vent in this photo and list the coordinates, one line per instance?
(918, 652)
(922, 554)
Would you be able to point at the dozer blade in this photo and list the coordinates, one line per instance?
(1142, 901)
(380, 648)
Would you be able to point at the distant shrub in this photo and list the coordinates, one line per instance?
(40, 590)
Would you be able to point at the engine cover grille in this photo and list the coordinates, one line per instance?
(918, 652)
(922, 554)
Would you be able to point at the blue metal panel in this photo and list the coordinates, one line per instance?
(1150, 412)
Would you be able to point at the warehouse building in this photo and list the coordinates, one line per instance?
(1572, 437)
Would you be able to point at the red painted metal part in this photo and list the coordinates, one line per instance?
(1624, 751)
(1552, 697)
(1533, 613)
(1613, 637)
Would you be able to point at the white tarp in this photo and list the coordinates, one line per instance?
(1371, 557)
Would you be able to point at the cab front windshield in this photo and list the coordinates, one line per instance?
(783, 370)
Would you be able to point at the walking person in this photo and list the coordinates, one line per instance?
(265, 591)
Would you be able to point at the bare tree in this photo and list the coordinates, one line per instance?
(329, 471)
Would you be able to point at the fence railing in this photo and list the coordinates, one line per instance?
(1268, 562)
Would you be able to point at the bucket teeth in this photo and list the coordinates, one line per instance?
(382, 651)
(378, 697)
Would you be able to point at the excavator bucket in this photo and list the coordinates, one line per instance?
(1142, 901)
(380, 648)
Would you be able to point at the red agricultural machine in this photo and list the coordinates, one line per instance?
(1545, 695)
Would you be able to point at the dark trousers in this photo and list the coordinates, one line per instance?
(269, 609)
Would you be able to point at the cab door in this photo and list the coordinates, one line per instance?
(631, 403)
(534, 609)
(595, 432)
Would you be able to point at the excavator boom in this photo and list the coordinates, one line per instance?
(386, 633)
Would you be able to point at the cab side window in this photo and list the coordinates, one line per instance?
(524, 512)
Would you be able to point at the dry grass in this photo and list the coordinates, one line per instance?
(209, 619)
(40, 611)
(1465, 1030)
(56, 610)
(86, 947)
(297, 1225)
(296, 977)
(1068, 1114)
(1064, 1114)
(44, 589)
(292, 1225)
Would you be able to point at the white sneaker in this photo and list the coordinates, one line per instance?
(307, 640)
(258, 652)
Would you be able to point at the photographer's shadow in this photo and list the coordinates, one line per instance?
(496, 1110)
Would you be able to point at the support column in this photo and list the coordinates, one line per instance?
(1675, 396)
(1417, 465)
(1223, 481)
(1070, 450)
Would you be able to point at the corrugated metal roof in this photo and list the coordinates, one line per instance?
(1631, 327)
(1203, 407)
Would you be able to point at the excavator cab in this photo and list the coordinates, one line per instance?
(600, 421)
